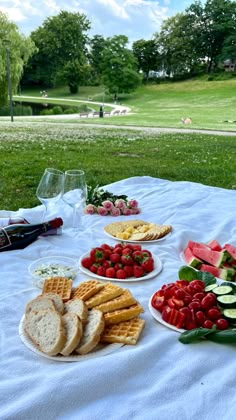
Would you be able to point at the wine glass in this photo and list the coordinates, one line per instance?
(75, 191)
(50, 187)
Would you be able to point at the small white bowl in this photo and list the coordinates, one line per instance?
(54, 266)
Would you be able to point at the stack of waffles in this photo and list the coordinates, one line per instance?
(92, 313)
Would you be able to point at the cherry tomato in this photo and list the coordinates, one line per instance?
(198, 285)
(213, 314)
(199, 295)
(207, 302)
(222, 324)
(200, 318)
(179, 293)
(195, 305)
(208, 324)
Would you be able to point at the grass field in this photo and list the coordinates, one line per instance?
(107, 155)
(208, 103)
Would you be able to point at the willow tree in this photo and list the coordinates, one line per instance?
(20, 49)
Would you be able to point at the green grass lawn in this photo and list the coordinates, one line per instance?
(107, 155)
(208, 103)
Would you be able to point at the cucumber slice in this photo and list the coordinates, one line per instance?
(223, 290)
(227, 301)
(230, 314)
(211, 287)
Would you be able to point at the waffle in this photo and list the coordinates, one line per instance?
(127, 332)
(123, 301)
(121, 315)
(87, 289)
(59, 285)
(109, 292)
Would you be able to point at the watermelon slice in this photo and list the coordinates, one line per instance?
(231, 250)
(222, 273)
(214, 245)
(191, 259)
(192, 244)
(214, 258)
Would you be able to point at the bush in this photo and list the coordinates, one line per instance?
(18, 110)
(57, 110)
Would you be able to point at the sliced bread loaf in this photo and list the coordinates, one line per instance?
(92, 332)
(74, 330)
(38, 304)
(57, 300)
(46, 330)
(78, 307)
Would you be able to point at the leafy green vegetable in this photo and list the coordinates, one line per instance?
(189, 274)
(195, 334)
(223, 337)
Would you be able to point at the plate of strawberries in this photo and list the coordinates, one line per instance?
(122, 262)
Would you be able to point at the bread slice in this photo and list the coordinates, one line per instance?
(123, 301)
(57, 300)
(78, 307)
(92, 332)
(127, 332)
(37, 304)
(121, 315)
(46, 330)
(74, 330)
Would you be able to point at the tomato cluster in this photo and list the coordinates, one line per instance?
(186, 305)
(120, 261)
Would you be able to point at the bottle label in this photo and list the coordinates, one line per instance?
(4, 239)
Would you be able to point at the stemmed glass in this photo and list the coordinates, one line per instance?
(50, 187)
(75, 191)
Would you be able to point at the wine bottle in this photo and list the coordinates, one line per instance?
(18, 236)
(16, 220)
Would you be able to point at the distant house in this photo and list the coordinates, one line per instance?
(230, 65)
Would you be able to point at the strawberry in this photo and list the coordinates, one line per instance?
(121, 274)
(127, 259)
(138, 271)
(94, 268)
(107, 264)
(115, 258)
(146, 253)
(87, 262)
(110, 272)
(101, 271)
(138, 256)
(127, 251)
(129, 270)
(108, 247)
(118, 266)
(97, 255)
(148, 264)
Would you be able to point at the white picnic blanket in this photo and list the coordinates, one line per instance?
(159, 378)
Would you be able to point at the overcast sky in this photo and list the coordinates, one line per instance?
(135, 18)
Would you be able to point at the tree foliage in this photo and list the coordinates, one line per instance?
(119, 66)
(61, 42)
(20, 49)
(147, 56)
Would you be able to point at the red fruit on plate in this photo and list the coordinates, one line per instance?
(107, 264)
(94, 268)
(120, 274)
(138, 256)
(127, 259)
(115, 258)
(106, 246)
(86, 262)
(118, 266)
(97, 254)
(129, 270)
(148, 264)
(138, 271)
(110, 272)
(126, 251)
(101, 271)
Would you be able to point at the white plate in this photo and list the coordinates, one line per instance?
(137, 242)
(100, 350)
(157, 269)
(157, 315)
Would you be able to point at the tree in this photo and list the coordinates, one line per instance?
(20, 49)
(97, 45)
(119, 66)
(61, 42)
(147, 55)
(213, 24)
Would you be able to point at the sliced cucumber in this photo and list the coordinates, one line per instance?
(233, 285)
(230, 314)
(210, 287)
(227, 301)
(223, 290)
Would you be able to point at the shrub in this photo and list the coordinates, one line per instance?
(57, 110)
